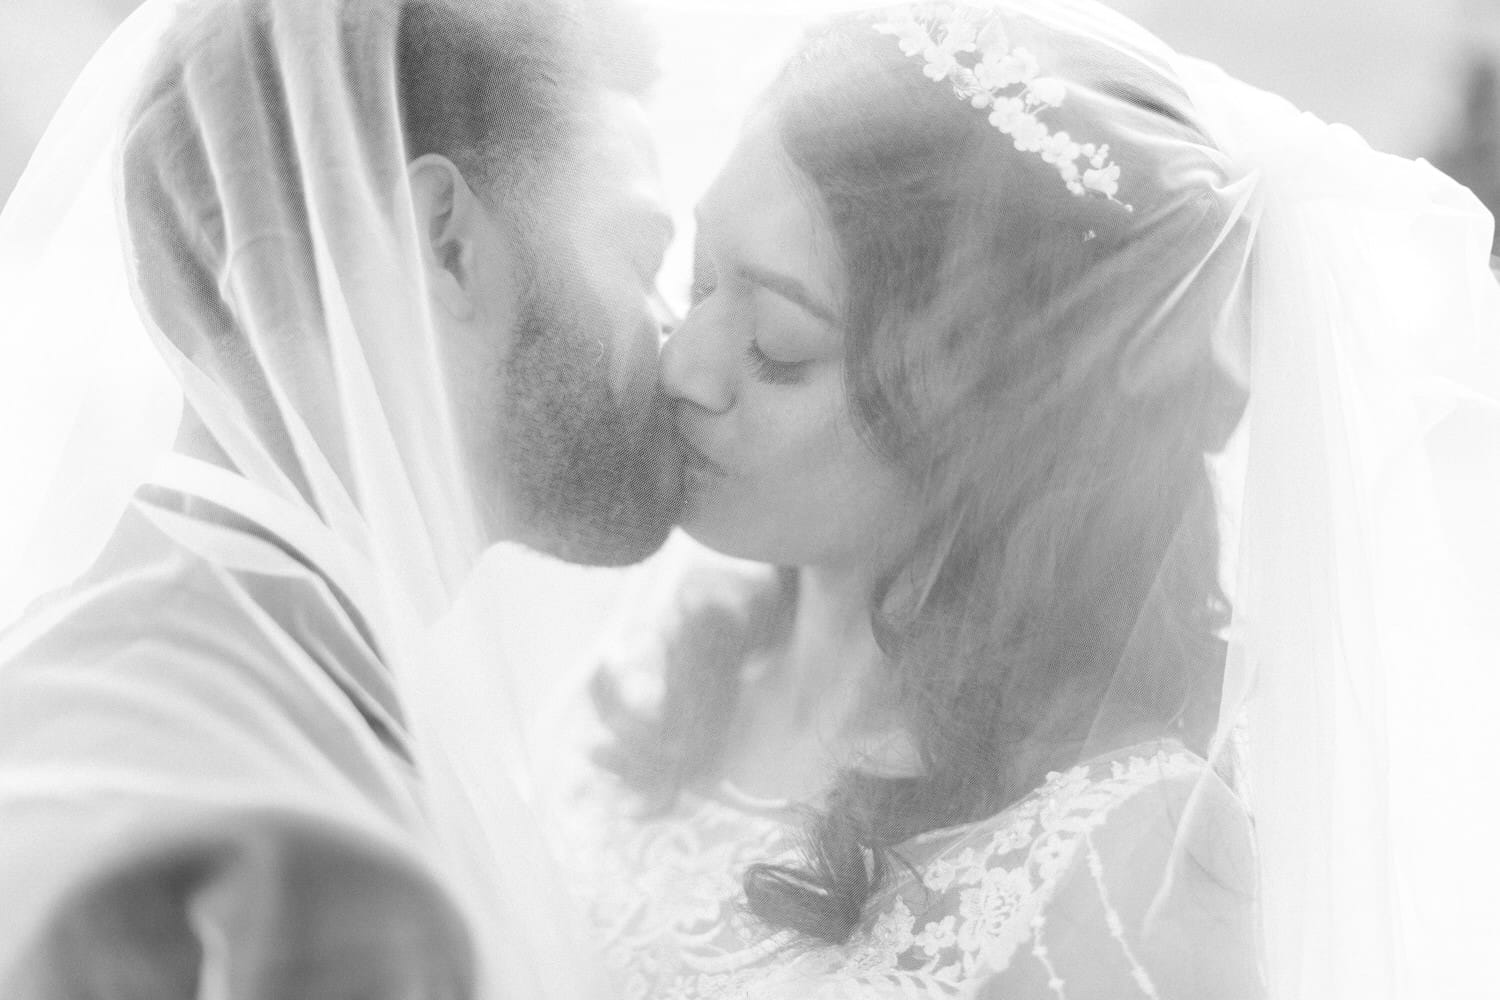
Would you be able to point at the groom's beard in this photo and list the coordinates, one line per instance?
(598, 477)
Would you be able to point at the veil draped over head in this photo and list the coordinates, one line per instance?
(1361, 661)
(1327, 312)
(1089, 277)
(1347, 295)
(251, 156)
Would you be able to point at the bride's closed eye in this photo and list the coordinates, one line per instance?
(763, 366)
(771, 371)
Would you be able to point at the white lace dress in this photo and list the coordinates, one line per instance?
(1018, 905)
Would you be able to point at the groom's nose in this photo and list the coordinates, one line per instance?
(666, 317)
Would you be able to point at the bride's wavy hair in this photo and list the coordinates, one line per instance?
(1063, 595)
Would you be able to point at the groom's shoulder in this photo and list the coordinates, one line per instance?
(152, 611)
(183, 782)
(268, 901)
(168, 673)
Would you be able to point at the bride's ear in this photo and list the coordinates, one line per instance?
(449, 220)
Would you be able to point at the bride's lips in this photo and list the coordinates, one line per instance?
(696, 462)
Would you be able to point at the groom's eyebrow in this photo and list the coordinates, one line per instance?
(661, 223)
(647, 231)
(790, 289)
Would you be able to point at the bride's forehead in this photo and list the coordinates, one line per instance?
(755, 216)
(759, 188)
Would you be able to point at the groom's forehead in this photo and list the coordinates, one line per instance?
(621, 144)
(621, 176)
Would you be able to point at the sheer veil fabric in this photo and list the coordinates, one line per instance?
(1365, 323)
(1348, 293)
(1360, 661)
(252, 183)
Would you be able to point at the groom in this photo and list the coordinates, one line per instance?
(205, 774)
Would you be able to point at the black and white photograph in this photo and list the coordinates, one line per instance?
(733, 500)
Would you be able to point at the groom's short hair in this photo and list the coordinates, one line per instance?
(496, 86)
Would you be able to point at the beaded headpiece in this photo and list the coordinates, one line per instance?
(970, 49)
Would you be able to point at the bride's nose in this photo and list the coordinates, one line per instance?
(694, 368)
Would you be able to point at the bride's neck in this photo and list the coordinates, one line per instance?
(831, 661)
(821, 703)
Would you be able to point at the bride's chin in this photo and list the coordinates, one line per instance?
(696, 523)
(728, 536)
(714, 532)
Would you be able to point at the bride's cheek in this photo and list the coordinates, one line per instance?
(826, 441)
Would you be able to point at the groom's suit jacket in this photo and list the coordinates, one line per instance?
(205, 788)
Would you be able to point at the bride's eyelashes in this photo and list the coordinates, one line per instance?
(771, 371)
(761, 365)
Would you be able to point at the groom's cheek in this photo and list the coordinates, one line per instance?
(611, 293)
(634, 364)
(627, 331)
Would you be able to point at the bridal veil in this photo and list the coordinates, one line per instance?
(1346, 292)
(1344, 303)
(220, 218)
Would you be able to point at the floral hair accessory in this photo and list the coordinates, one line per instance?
(1005, 80)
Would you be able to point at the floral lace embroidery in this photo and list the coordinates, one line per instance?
(666, 893)
(939, 34)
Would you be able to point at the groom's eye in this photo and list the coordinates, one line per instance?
(704, 282)
(648, 236)
(648, 263)
(646, 254)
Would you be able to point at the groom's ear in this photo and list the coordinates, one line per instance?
(452, 232)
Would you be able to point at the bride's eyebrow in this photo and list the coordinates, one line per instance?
(790, 289)
(783, 285)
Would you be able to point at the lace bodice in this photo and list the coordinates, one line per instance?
(666, 892)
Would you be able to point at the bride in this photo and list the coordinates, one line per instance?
(1024, 349)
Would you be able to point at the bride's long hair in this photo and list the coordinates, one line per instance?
(1063, 597)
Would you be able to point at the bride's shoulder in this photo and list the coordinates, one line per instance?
(1086, 797)
(1153, 807)
(1074, 869)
